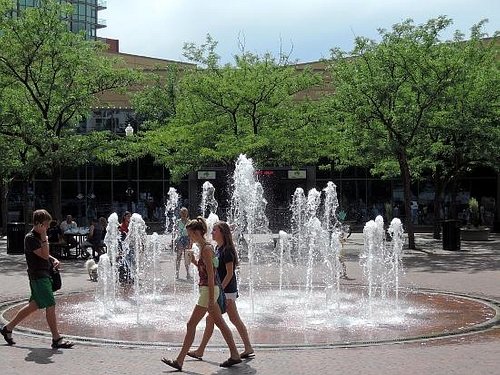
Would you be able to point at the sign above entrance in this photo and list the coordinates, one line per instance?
(206, 175)
(261, 172)
(297, 174)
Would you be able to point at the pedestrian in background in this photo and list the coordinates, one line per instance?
(182, 242)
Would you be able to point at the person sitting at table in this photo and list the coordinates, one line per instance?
(103, 224)
(55, 238)
(54, 233)
(68, 226)
(95, 238)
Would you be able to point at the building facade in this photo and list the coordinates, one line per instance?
(84, 18)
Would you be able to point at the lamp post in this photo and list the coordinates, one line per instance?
(129, 132)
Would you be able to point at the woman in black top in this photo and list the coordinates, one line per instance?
(228, 262)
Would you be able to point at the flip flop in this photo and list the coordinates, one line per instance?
(245, 355)
(230, 362)
(194, 355)
(172, 363)
(7, 335)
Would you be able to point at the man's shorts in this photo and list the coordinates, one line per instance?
(203, 299)
(41, 292)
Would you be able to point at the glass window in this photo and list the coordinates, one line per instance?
(149, 170)
(102, 198)
(102, 172)
(150, 204)
(69, 173)
(125, 171)
(70, 203)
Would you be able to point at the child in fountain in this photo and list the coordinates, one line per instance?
(182, 242)
(207, 300)
(228, 262)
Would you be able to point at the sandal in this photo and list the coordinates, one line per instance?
(60, 343)
(7, 335)
(195, 356)
(246, 355)
(230, 362)
(172, 363)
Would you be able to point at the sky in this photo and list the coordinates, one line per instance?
(306, 29)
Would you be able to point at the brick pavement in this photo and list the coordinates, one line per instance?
(475, 270)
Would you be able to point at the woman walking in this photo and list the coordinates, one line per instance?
(228, 262)
(207, 300)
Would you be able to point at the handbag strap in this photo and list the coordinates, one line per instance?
(218, 281)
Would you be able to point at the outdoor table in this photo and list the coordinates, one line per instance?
(80, 234)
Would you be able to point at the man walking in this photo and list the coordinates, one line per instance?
(36, 250)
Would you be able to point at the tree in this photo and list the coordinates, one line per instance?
(156, 102)
(464, 128)
(51, 78)
(223, 111)
(385, 93)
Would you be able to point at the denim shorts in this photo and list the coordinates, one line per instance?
(182, 242)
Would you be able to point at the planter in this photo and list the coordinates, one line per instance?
(474, 234)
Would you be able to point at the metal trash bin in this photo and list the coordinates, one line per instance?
(15, 238)
(451, 235)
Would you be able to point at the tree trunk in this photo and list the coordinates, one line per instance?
(4, 191)
(26, 205)
(437, 217)
(56, 194)
(438, 200)
(405, 173)
(453, 199)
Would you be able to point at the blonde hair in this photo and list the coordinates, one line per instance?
(184, 210)
(198, 224)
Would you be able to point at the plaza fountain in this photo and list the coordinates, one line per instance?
(291, 294)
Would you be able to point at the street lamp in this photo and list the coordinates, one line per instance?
(129, 132)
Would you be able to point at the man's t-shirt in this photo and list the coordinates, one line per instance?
(226, 257)
(37, 266)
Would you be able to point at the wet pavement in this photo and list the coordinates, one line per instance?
(475, 271)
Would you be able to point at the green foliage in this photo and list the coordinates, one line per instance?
(464, 129)
(390, 96)
(157, 100)
(223, 111)
(49, 81)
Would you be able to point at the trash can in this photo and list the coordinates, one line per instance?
(15, 238)
(451, 235)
